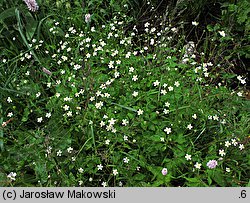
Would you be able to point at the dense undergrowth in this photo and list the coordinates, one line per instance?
(99, 93)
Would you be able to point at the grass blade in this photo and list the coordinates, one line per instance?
(19, 25)
(125, 107)
(93, 137)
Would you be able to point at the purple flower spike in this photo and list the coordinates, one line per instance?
(32, 5)
(46, 71)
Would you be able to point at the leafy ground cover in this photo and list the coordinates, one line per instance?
(89, 97)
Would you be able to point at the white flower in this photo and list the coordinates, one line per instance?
(228, 170)
(124, 122)
(69, 113)
(128, 55)
(87, 18)
(67, 99)
(39, 120)
(88, 55)
(9, 100)
(126, 160)
(197, 165)
(140, 112)
(195, 23)
(12, 176)
(80, 170)
(241, 147)
(165, 85)
(115, 172)
(216, 118)
(99, 167)
(239, 94)
(194, 116)
(135, 94)
(131, 69)
(167, 104)
(70, 149)
(135, 78)
(59, 153)
(166, 111)
(156, 83)
(188, 157)
(107, 142)
(163, 92)
(102, 123)
(222, 152)
(177, 84)
(99, 105)
(243, 81)
(189, 127)
(170, 88)
(167, 130)
(222, 33)
(104, 184)
(112, 121)
(146, 24)
(162, 139)
(48, 115)
(174, 29)
(66, 107)
(10, 114)
(227, 144)
(49, 84)
(234, 142)
(117, 74)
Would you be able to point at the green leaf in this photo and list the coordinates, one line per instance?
(125, 107)
(7, 13)
(195, 182)
(20, 29)
(209, 180)
(39, 26)
(219, 179)
(30, 26)
(248, 184)
(25, 114)
(139, 177)
(1, 135)
(41, 173)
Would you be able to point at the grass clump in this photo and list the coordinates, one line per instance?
(94, 103)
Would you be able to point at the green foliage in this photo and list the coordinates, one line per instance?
(236, 19)
(99, 103)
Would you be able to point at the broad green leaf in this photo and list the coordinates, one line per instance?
(30, 26)
(7, 13)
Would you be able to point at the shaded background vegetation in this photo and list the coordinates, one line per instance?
(212, 15)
